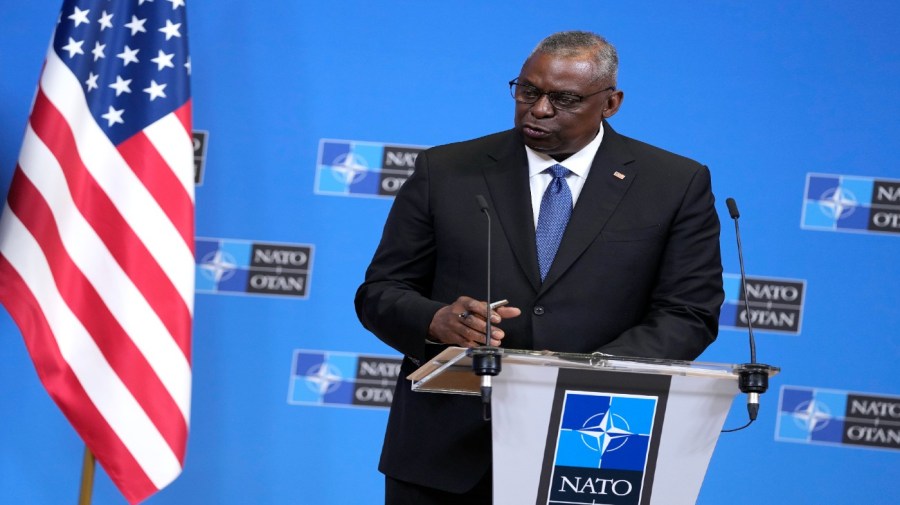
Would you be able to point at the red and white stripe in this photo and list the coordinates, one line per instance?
(97, 269)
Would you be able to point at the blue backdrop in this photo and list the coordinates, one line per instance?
(764, 92)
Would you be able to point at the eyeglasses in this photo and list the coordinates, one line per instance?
(560, 100)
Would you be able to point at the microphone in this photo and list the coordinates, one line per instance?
(486, 359)
(735, 215)
(753, 377)
(483, 205)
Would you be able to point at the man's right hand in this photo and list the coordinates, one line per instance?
(464, 323)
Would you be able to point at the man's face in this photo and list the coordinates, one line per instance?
(561, 133)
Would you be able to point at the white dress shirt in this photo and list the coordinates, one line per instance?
(579, 165)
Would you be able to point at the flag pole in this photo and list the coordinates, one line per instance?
(87, 477)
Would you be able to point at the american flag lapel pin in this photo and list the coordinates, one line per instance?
(619, 175)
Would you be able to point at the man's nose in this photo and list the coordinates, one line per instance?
(543, 107)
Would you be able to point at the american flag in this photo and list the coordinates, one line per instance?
(97, 235)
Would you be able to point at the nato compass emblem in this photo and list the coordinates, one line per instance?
(349, 168)
(323, 378)
(810, 416)
(832, 202)
(606, 432)
(601, 450)
(218, 266)
(838, 203)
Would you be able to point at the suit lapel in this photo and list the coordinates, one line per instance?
(611, 175)
(507, 181)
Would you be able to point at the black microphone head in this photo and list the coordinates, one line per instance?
(732, 208)
(482, 202)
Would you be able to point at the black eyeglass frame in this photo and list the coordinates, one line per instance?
(553, 96)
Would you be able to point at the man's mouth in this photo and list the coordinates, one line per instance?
(535, 132)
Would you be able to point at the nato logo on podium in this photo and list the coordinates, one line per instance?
(602, 447)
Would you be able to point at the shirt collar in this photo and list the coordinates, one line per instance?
(579, 163)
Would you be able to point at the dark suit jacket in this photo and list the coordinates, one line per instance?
(638, 273)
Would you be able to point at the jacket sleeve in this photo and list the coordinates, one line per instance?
(393, 300)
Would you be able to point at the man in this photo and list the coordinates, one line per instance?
(616, 251)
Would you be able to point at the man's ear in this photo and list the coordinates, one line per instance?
(613, 102)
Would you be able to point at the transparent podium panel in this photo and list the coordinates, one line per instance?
(594, 428)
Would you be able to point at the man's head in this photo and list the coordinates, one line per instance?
(570, 80)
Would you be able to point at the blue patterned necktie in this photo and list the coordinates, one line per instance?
(556, 207)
